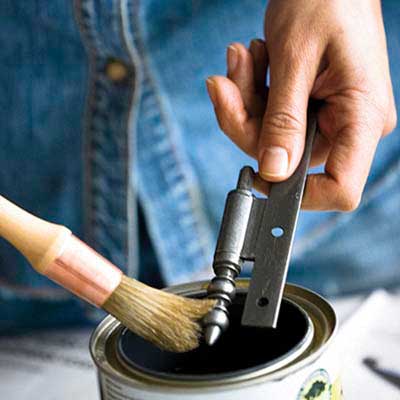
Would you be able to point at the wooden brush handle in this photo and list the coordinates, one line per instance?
(41, 242)
(53, 251)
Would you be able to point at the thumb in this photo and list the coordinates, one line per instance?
(282, 137)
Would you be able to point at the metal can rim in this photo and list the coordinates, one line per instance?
(156, 383)
(246, 373)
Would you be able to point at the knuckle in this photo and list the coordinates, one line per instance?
(372, 112)
(294, 45)
(347, 199)
(290, 50)
(293, 54)
(366, 95)
(283, 121)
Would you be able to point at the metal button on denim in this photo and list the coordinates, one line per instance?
(116, 70)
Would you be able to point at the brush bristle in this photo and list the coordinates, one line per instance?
(169, 321)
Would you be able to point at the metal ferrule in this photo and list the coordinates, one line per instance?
(84, 272)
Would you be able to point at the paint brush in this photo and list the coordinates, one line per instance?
(169, 321)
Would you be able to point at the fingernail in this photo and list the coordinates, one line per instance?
(233, 58)
(274, 162)
(211, 90)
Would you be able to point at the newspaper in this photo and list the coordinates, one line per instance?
(56, 365)
(369, 342)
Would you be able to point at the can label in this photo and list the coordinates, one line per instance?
(319, 387)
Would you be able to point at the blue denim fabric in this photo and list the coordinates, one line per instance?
(81, 149)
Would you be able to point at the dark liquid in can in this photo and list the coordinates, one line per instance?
(239, 350)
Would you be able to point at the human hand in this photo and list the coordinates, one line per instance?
(332, 51)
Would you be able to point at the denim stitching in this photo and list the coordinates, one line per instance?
(195, 236)
(107, 146)
(133, 262)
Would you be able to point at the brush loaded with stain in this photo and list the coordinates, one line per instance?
(167, 320)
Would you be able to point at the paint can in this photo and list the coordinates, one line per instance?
(297, 360)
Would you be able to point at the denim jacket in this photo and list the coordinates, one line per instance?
(107, 128)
